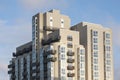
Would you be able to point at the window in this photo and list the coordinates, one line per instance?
(95, 54)
(108, 42)
(108, 68)
(51, 21)
(107, 35)
(36, 20)
(82, 51)
(95, 74)
(95, 67)
(108, 62)
(62, 78)
(82, 59)
(107, 48)
(95, 40)
(62, 56)
(62, 50)
(82, 78)
(95, 61)
(108, 55)
(69, 38)
(70, 78)
(62, 23)
(95, 47)
(82, 72)
(95, 33)
(82, 65)
(63, 71)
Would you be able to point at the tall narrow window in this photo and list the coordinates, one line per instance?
(62, 23)
(51, 21)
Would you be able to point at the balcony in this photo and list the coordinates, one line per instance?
(38, 76)
(45, 61)
(13, 77)
(25, 78)
(48, 28)
(11, 65)
(33, 77)
(69, 38)
(70, 67)
(70, 45)
(11, 71)
(38, 69)
(25, 73)
(71, 74)
(50, 40)
(53, 52)
(70, 60)
(38, 63)
(34, 64)
(69, 53)
(53, 59)
(34, 71)
(23, 51)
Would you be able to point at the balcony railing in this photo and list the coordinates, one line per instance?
(38, 63)
(11, 65)
(69, 53)
(53, 52)
(70, 60)
(50, 40)
(13, 77)
(38, 69)
(70, 67)
(34, 64)
(25, 73)
(48, 28)
(71, 74)
(23, 51)
(53, 59)
(11, 71)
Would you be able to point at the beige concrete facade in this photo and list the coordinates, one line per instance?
(61, 52)
(104, 57)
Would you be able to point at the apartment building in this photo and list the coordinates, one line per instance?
(61, 52)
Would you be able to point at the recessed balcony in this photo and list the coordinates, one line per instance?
(69, 53)
(70, 67)
(50, 40)
(9, 72)
(53, 52)
(11, 65)
(13, 77)
(48, 28)
(71, 74)
(52, 59)
(25, 73)
(23, 51)
(70, 60)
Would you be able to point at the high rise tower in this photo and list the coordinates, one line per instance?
(60, 52)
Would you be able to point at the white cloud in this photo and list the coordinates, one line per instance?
(42, 4)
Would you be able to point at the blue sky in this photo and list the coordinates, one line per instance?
(15, 23)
